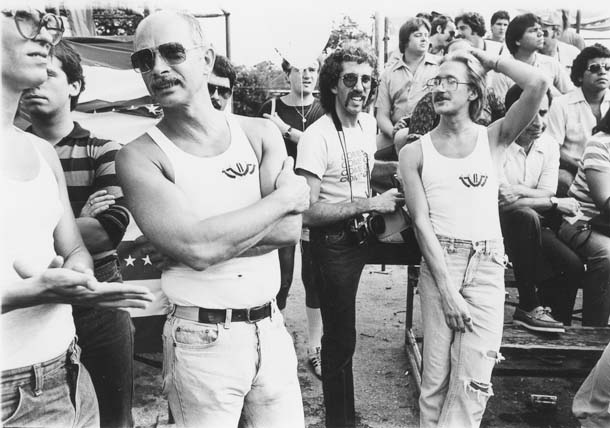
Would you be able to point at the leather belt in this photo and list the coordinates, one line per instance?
(219, 316)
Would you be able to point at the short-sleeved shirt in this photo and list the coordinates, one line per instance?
(571, 121)
(538, 169)
(550, 66)
(320, 153)
(401, 88)
(596, 158)
(293, 116)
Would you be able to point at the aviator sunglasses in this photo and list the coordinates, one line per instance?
(143, 60)
(29, 22)
(223, 91)
(596, 67)
(350, 79)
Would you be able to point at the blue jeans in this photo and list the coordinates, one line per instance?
(54, 393)
(213, 373)
(338, 261)
(457, 366)
(106, 339)
(594, 249)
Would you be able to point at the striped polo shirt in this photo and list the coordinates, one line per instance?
(597, 158)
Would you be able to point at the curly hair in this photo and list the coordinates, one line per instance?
(475, 21)
(333, 66)
(582, 60)
(71, 65)
(476, 78)
(516, 29)
(411, 26)
(440, 21)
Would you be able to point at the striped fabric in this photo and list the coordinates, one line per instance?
(597, 158)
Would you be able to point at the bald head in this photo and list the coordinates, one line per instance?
(165, 20)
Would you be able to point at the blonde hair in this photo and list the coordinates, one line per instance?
(477, 78)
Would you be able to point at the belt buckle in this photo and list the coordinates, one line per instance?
(248, 320)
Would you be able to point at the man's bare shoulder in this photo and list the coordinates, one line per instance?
(411, 153)
(143, 147)
(256, 126)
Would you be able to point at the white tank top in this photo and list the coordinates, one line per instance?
(215, 185)
(462, 193)
(31, 211)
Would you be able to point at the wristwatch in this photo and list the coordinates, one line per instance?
(287, 133)
(554, 202)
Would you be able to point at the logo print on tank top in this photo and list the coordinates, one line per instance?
(474, 180)
(239, 170)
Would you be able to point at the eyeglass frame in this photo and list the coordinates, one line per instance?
(227, 90)
(359, 77)
(42, 22)
(602, 65)
(443, 81)
(156, 50)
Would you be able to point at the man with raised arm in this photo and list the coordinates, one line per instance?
(217, 194)
(451, 175)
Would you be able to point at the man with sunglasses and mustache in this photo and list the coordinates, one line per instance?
(573, 116)
(221, 82)
(45, 266)
(217, 194)
(335, 155)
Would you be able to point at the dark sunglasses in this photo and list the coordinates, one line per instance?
(350, 79)
(143, 60)
(29, 22)
(223, 91)
(596, 67)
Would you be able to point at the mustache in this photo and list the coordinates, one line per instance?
(216, 104)
(439, 96)
(163, 82)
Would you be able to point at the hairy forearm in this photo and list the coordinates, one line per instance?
(95, 237)
(323, 213)
(285, 233)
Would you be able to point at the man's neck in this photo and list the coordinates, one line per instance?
(456, 123)
(593, 97)
(10, 102)
(412, 58)
(528, 57)
(525, 143)
(297, 99)
(53, 128)
(549, 48)
(435, 45)
(190, 121)
(478, 42)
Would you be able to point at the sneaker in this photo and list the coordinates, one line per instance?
(313, 356)
(539, 319)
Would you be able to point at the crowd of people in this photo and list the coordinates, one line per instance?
(501, 145)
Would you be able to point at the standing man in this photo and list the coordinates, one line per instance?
(471, 26)
(551, 29)
(335, 155)
(451, 175)
(574, 116)
(499, 23)
(292, 114)
(221, 82)
(441, 34)
(402, 84)
(217, 194)
(105, 335)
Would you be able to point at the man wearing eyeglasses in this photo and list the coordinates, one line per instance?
(552, 25)
(335, 155)
(45, 266)
(217, 194)
(574, 116)
(221, 82)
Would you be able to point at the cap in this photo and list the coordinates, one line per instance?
(551, 18)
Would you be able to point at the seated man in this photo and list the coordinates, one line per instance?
(471, 26)
(592, 189)
(528, 207)
(574, 115)
(551, 30)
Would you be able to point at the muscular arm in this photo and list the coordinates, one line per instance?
(96, 239)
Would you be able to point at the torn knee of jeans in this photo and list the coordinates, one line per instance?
(481, 389)
(496, 356)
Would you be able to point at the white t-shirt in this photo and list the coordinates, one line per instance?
(320, 153)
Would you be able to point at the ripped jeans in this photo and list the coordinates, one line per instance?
(457, 366)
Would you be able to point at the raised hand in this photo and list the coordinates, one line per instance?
(293, 188)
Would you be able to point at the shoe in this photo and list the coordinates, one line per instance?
(538, 319)
(313, 356)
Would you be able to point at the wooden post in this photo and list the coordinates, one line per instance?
(378, 40)
(578, 20)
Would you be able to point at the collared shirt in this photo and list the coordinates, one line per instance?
(571, 121)
(538, 169)
(401, 88)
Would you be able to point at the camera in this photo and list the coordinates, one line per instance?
(366, 229)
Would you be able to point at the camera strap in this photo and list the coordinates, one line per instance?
(343, 142)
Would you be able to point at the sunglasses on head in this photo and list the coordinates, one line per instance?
(350, 79)
(143, 60)
(29, 22)
(223, 91)
(597, 67)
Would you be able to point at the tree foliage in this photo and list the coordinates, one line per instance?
(346, 30)
(254, 85)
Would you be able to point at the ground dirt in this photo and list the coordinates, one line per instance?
(384, 390)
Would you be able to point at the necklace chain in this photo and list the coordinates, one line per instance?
(303, 114)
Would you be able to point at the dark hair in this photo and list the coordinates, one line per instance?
(582, 59)
(71, 66)
(604, 124)
(287, 67)
(475, 21)
(501, 14)
(516, 29)
(224, 68)
(408, 28)
(425, 15)
(514, 93)
(439, 21)
(333, 66)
